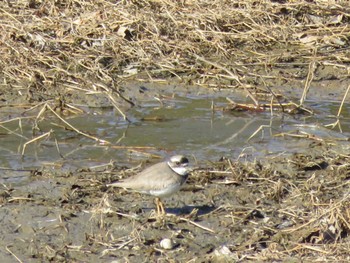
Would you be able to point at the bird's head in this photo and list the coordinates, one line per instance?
(179, 164)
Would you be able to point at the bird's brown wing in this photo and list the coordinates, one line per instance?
(155, 177)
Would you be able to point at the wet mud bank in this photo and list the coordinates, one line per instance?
(294, 208)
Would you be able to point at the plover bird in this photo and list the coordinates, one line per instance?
(159, 180)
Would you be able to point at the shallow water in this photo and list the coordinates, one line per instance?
(184, 125)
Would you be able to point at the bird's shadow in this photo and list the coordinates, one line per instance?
(188, 209)
(185, 210)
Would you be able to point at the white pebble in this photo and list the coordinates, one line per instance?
(166, 243)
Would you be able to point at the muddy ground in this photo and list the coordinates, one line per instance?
(75, 55)
(288, 209)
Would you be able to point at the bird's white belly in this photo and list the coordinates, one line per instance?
(166, 191)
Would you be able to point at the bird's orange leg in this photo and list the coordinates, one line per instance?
(160, 206)
(156, 201)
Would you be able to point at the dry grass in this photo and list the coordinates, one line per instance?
(71, 44)
(301, 208)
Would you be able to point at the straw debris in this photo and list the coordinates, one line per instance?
(52, 48)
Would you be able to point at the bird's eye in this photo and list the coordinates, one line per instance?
(184, 160)
(177, 163)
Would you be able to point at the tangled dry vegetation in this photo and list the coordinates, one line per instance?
(293, 209)
(51, 48)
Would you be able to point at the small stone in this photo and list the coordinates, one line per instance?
(167, 243)
(223, 251)
(224, 254)
(266, 219)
